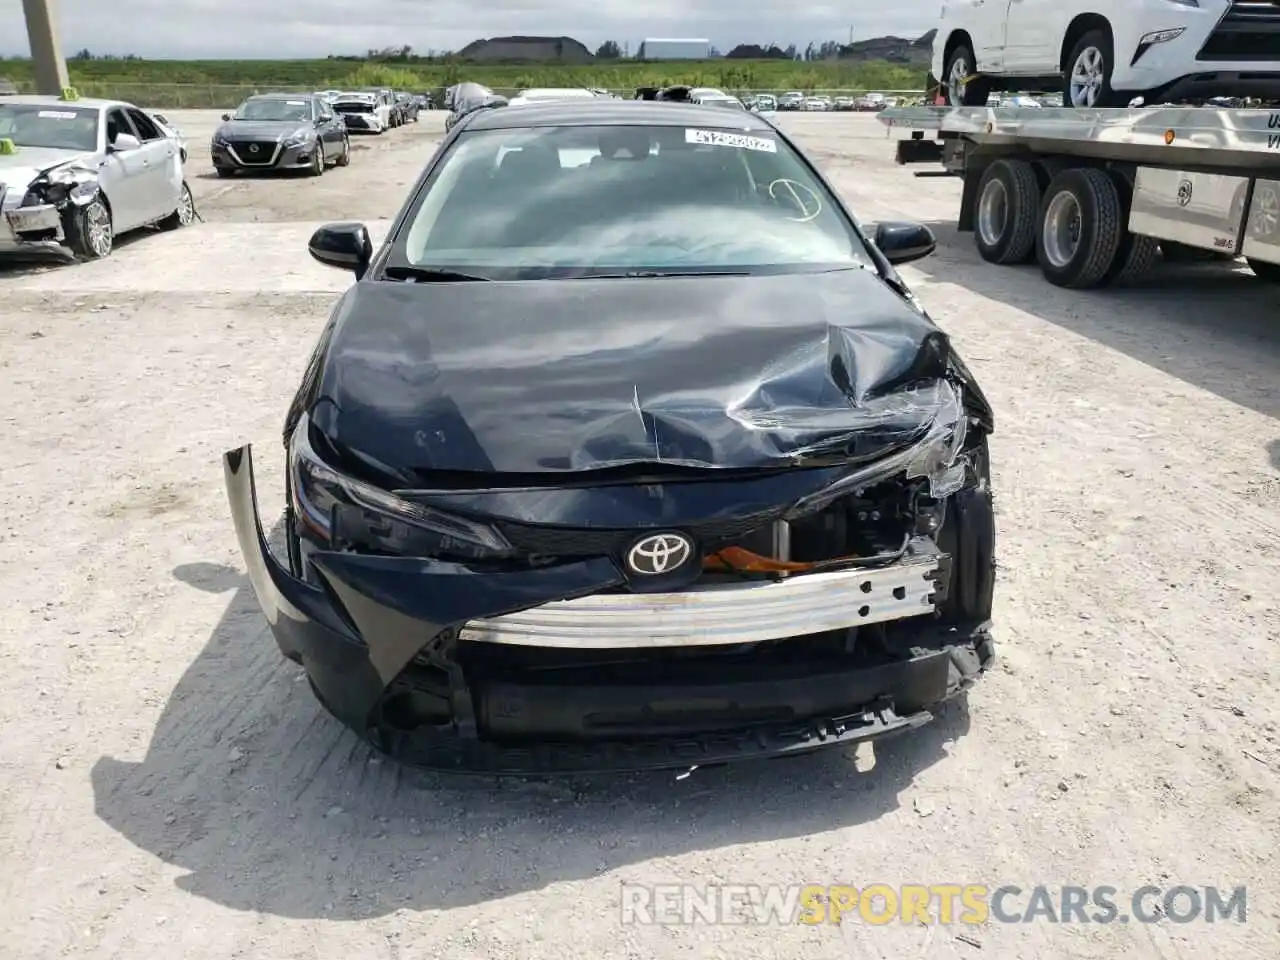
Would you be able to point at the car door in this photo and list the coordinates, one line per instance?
(1033, 35)
(985, 21)
(161, 184)
(123, 174)
(329, 129)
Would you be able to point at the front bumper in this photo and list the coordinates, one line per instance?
(35, 229)
(268, 156)
(362, 123)
(1223, 50)
(372, 630)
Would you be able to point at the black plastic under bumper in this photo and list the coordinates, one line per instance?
(366, 632)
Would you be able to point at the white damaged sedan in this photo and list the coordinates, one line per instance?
(75, 173)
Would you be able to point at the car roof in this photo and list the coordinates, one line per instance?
(600, 112)
(35, 99)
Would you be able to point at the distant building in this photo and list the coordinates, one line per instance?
(674, 50)
(542, 49)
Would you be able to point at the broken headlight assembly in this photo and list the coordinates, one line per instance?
(344, 513)
(936, 457)
(56, 187)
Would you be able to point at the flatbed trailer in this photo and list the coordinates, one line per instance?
(1094, 195)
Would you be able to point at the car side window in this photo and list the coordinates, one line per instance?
(147, 130)
(117, 123)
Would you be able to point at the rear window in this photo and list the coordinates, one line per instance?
(577, 201)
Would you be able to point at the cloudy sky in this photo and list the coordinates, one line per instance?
(308, 28)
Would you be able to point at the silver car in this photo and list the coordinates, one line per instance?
(75, 173)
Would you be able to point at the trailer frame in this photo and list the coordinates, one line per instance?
(1177, 178)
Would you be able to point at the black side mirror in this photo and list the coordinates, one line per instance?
(226, 117)
(903, 242)
(343, 245)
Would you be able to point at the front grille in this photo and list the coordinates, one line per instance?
(264, 154)
(537, 540)
(1250, 30)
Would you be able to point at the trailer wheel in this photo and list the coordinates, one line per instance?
(1008, 210)
(1270, 272)
(1137, 253)
(1080, 227)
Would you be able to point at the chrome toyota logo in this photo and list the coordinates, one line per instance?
(660, 553)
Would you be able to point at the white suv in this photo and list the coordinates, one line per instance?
(1105, 53)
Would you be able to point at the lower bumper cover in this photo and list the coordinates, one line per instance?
(370, 618)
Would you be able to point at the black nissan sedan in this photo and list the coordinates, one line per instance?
(628, 448)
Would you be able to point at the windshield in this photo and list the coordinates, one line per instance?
(277, 111)
(594, 200)
(53, 126)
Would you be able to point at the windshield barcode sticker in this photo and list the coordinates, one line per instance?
(296, 103)
(718, 138)
(56, 115)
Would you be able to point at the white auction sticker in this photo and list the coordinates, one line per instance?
(719, 138)
(296, 103)
(56, 115)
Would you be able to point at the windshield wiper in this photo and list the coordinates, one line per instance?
(639, 274)
(431, 275)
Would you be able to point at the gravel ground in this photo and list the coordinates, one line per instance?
(167, 783)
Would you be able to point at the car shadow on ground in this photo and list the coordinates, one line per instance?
(1273, 449)
(30, 265)
(268, 804)
(1212, 325)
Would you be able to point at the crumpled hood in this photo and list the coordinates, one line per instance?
(17, 170)
(260, 129)
(573, 375)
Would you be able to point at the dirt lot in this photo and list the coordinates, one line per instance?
(168, 786)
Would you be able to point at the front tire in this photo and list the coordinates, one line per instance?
(345, 158)
(317, 161)
(1086, 81)
(89, 230)
(959, 90)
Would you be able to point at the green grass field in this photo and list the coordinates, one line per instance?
(223, 83)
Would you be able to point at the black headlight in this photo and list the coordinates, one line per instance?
(340, 512)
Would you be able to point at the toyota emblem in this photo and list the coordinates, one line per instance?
(660, 553)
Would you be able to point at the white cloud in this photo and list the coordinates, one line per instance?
(289, 28)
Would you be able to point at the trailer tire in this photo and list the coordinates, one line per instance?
(1079, 228)
(1008, 211)
(1137, 253)
(1270, 272)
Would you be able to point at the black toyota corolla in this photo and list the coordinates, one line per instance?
(627, 448)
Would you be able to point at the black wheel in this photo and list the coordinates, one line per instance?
(961, 86)
(344, 158)
(968, 536)
(1008, 211)
(1270, 272)
(1079, 229)
(1136, 253)
(89, 231)
(183, 215)
(317, 161)
(225, 172)
(1086, 78)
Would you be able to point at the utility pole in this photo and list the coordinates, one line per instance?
(46, 50)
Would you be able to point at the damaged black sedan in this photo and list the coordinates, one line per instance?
(627, 449)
